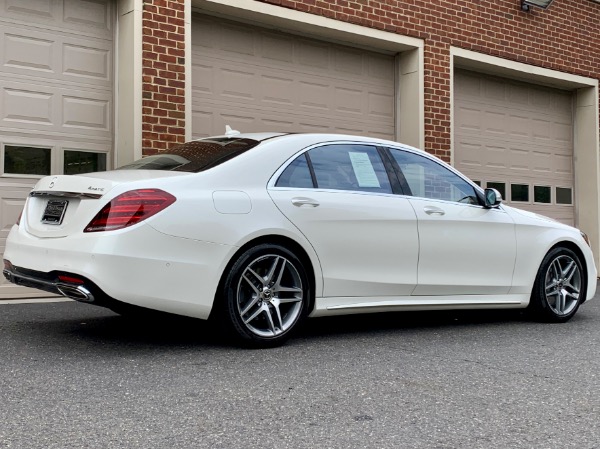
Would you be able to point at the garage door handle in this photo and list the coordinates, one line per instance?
(302, 201)
(430, 210)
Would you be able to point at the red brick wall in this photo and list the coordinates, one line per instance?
(163, 72)
(565, 37)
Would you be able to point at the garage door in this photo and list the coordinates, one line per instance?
(518, 138)
(56, 113)
(260, 80)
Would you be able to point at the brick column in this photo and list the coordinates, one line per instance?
(163, 73)
(438, 135)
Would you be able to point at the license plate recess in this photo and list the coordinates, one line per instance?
(54, 212)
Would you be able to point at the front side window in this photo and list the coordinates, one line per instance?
(428, 179)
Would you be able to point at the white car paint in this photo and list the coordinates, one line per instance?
(368, 252)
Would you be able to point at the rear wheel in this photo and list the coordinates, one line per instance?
(559, 287)
(266, 295)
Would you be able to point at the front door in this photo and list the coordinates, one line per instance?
(465, 249)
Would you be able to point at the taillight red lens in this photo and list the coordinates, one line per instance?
(130, 208)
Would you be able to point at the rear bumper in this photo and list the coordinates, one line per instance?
(83, 291)
(138, 266)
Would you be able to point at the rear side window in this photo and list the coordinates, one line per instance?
(338, 167)
(297, 174)
(195, 156)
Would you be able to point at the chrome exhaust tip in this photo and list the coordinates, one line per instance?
(76, 292)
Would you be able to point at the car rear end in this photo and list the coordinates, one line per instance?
(90, 238)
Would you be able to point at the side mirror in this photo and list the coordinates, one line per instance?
(492, 198)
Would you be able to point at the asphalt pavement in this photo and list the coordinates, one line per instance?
(77, 376)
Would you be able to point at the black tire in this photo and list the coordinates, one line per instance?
(265, 296)
(559, 288)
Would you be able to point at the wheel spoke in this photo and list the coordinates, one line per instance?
(574, 294)
(287, 289)
(275, 303)
(561, 301)
(250, 305)
(277, 284)
(556, 269)
(255, 314)
(254, 287)
(289, 300)
(269, 278)
(270, 320)
(258, 277)
(555, 291)
(570, 271)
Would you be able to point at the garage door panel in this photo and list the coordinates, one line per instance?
(309, 96)
(64, 110)
(91, 17)
(291, 82)
(503, 154)
(490, 121)
(210, 119)
(519, 137)
(49, 56)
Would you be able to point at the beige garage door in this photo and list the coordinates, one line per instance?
(260, 80)
(518, 138)
(56, 96)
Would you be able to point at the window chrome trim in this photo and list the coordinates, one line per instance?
(273, 179)
(376, 144)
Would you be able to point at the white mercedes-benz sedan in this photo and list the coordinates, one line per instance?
(260, 231)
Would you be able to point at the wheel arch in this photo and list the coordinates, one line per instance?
(273, 239)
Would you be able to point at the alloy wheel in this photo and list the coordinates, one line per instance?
(270, 295)
(563, 285)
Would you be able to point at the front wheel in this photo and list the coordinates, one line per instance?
(266, 295)
(559, 287)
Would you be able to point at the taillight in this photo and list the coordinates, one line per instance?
(130, 208)
(19, 219)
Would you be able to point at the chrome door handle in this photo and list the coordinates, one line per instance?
(300, 201)
(432, 210)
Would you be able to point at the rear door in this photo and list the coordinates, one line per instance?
(341, 198)
(465, 249)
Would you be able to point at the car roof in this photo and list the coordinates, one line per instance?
(322, 137)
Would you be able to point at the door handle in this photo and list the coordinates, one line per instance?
(432, 210)
(301, 201)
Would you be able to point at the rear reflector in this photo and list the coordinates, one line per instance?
(70, 279)
(130, 208)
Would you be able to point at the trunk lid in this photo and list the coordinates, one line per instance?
(62, 205)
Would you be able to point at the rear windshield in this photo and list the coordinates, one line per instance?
(194, 156)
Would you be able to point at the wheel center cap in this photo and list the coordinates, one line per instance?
(267, 294)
